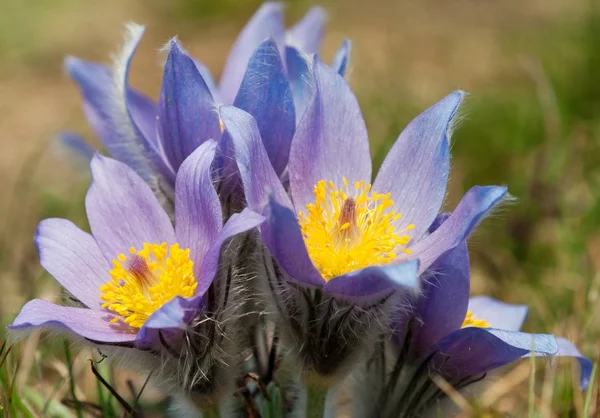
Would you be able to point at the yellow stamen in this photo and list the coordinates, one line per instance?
(472, 321)
(143, 281)
(349, 229)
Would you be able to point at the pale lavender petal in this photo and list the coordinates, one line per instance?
(186, 107)
(475, 204)
(104, 114)
(342, 58)
(131, 108)
(498, 314)
(171, 319)
(372, 283)
(471, 351)
(307, 34)
(567, 349)
(416, 169)
(300, 76)
(266, 22)
(236, 224)
(122, 117)
(442, 306)
(331, 139)
(265, 93)
(73, 258)
(257, 174)
(282, 236)
(88, 323)
(122, 210)
(198, 216)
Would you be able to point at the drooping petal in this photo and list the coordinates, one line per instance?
(567, 349)
(307, 34)
(73, 258)
(471, 351)
(198, 216)
(122, 210)
(105, 115)
(498, 314)
(266, 22)
(266, 94)
(475, 204)
(416, 169)
(236, 224)
(300, 77)
(331, 139)
(170, 319)
(371, 283)
(282, 236)
(342, 58)
(143, 112)
(442, 305)
(89, 323)
(186, 107)
(257, 174)
(75, 146)
(133, 111)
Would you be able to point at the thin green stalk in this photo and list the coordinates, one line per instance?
(590, 390)
(316, 397)
(532, 384)
(72, 381)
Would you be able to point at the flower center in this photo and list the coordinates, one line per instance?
(143, 281)
(472, 321)
(346, 230)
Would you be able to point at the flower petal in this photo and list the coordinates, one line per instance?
(442, 306)
(299, 71)
(475, 204)
(331, 139)
(471, 351)
(198, 217)
(236, 224)
(105, 115)
(282, 236)
(416, 169)
(89, 323)
(266, 22)
(371, 283)
(122, 210)
(498, 314)
(209, 80)
(73, 258)
(75, 146)
(257, 174)
(342, 58)
(307, 34)
(265, 93)
(186, 107)
(567, 349)
(171, 319)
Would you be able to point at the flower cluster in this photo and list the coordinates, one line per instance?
(237, 230)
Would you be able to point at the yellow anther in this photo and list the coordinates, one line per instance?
(349, 229)
(145, 280)
(472, 321)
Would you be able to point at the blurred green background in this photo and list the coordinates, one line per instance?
(532, 122)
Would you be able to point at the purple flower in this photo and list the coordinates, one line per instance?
(345, 250)
(139, 281)
(154, 139)
(458, 338)
(335, 231)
